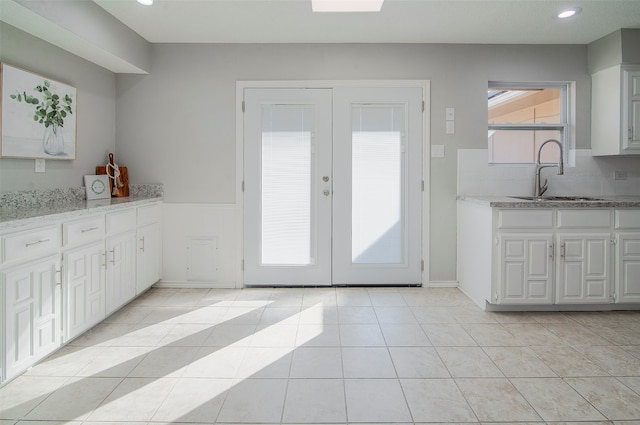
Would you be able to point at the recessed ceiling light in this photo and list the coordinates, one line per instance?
(146, 2)
(567, 13)
(346, 5)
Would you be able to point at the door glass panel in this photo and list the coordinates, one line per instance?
(287, 227)
(377, 184)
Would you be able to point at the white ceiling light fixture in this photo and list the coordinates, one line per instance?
(569, 12)
(346, 5)
(146, 2)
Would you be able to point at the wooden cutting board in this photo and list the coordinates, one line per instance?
(124, 178)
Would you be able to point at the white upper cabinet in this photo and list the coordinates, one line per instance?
(615, 111)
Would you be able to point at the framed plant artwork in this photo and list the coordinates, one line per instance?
(38, 117)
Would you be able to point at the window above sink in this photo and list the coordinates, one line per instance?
(522, 115)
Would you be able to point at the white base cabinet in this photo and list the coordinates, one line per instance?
(84, 284)
(121, 270)
(84, 288)
(149, 247)
(32, 313)
(60, 279)
(584, 270)
(548, 256)
(628, 267)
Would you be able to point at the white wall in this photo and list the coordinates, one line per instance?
(96, 103)
(183, 222)
(177, 125)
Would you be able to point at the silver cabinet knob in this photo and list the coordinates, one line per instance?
(325, 178)
(325, 192)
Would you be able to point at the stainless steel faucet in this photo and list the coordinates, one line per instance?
(542, 188)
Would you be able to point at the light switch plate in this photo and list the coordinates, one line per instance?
(451, 128)
(40, 167)
(437, 151)
(450, 114)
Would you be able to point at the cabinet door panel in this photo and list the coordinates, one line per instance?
(85, 288)
(121, 270)
(48, 316)
(584, 268)
(32, 313)
(525, 269)
(95, 291)
(628, 267)
(149, 255)
(573, 277)
(20, 347)
(631, 128)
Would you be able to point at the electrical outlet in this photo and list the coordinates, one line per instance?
(40, 166)
(619, 175)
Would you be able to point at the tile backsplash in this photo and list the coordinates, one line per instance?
(588, 176)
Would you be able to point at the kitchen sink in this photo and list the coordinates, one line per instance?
(558, 198)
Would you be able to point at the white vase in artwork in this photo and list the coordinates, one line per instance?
(53, 141)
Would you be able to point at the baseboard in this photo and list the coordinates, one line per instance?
(443, 284)
(232, 285)
(194, 285)
(562, 307)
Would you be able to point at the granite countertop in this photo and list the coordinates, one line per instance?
(31, 208)
(512, 202)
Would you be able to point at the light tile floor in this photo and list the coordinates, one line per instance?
(335, 356)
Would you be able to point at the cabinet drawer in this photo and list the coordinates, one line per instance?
(83, 231)
(121, 221)
(584, 219)
(525, 219)
(30, 243)
(627, 219)
(149, 214)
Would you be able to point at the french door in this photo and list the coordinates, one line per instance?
(332, 186)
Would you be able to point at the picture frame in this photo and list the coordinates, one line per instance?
(97, 187)
(38, 118)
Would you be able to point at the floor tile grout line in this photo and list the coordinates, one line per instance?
(88, 415)
(24, 416)
(166, 397)
(585, 399)
(623, 383)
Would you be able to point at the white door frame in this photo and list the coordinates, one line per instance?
(426, 151)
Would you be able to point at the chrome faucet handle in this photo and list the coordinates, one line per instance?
(544, 187)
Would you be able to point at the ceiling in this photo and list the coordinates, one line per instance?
(400, 21)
